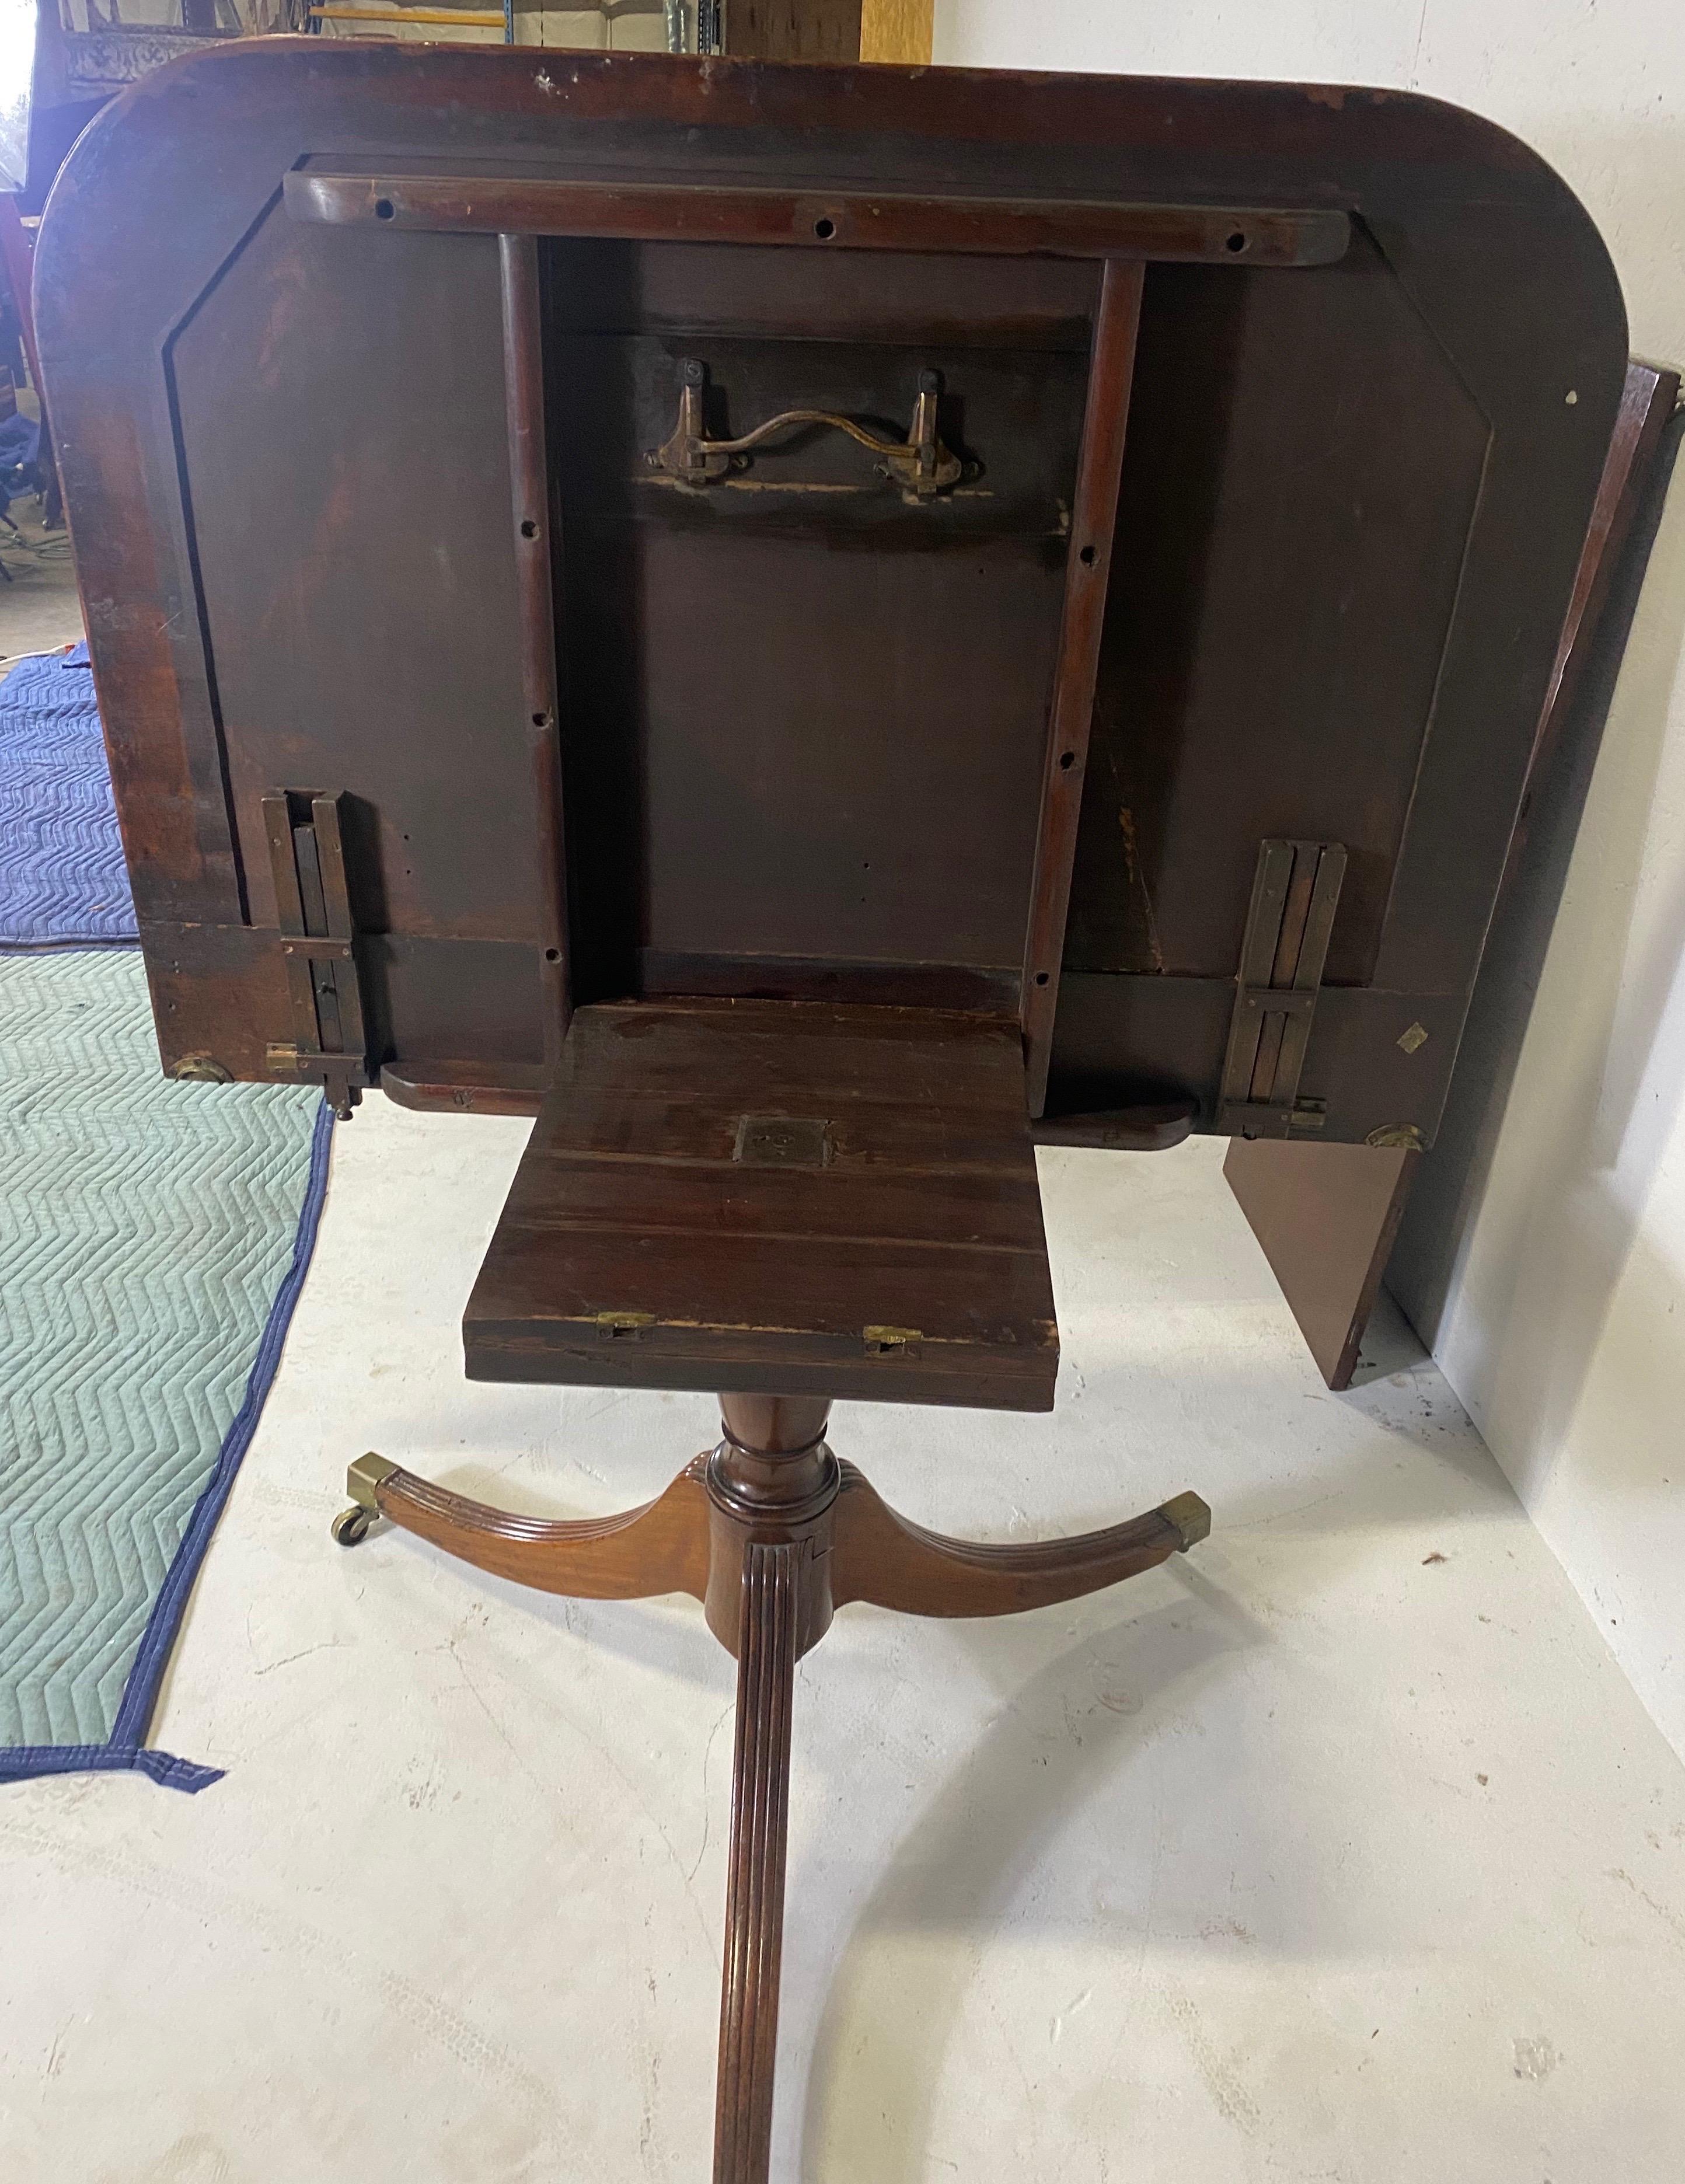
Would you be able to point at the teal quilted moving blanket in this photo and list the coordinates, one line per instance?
(153, 1238)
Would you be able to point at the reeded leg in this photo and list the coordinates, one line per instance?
(662, 1547)
(755, 1890)
(879, 1557)
(770, 1533)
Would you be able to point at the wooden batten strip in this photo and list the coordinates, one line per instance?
(1094, 512)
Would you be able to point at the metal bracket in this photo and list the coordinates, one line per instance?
(1294, 896)
(365, 1476)
(920, 464)
(782, 1141)
(364, 1479)
(318, 944)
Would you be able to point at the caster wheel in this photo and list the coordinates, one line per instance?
(352, 1525)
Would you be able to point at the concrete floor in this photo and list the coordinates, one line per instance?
(1340, 1850)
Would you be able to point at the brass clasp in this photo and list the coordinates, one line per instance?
(920, 464)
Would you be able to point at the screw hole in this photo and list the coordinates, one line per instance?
(552, 955)
(1067, 761)
(1041, 978)
(541, 719)
(529, 529)
(825, 229)
(1235, 243)
(1087, 557)
(384, 209)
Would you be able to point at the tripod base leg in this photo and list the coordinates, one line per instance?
(760, 1813)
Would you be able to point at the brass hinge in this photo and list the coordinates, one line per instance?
(1296, 890)
(622, 1326)
(329, 1045)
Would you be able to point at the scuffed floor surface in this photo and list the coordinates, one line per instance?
(1338, 1851)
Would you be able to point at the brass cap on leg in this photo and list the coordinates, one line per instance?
(1191, 1517)
(363, 1482)
(366, 1476)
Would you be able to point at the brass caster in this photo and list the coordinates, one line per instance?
(364, 1479)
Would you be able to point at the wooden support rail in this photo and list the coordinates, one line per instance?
(841, 219)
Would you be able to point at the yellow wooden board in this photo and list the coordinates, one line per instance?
(897, 30)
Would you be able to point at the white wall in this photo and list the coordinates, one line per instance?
(1562, 1329)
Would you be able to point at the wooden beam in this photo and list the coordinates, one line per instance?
(901, 31)
(523, 370)
(838, 219)
(1111, 374)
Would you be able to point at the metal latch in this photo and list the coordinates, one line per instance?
(329, 1045)
(1295, 893)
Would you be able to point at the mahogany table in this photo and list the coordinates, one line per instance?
(811, 628)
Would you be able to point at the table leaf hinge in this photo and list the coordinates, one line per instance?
(1296, 891)
(317, 942)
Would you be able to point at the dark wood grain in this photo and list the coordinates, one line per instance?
(1326, 1216)
(905, 1261)
(1428, 1256)
(1149, 1126)
(1105, 423)
(534, 519)
(1231, 692)
(755, 1862)
(304, 417)
(841, 219)
(1358, 489)
(635, 1555)
(771, 1532)
(882, 1558)
(701, 289)
(360, 612)
(478, 1088)
(1128, 1041)
(1648, 399)
(749, 791)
